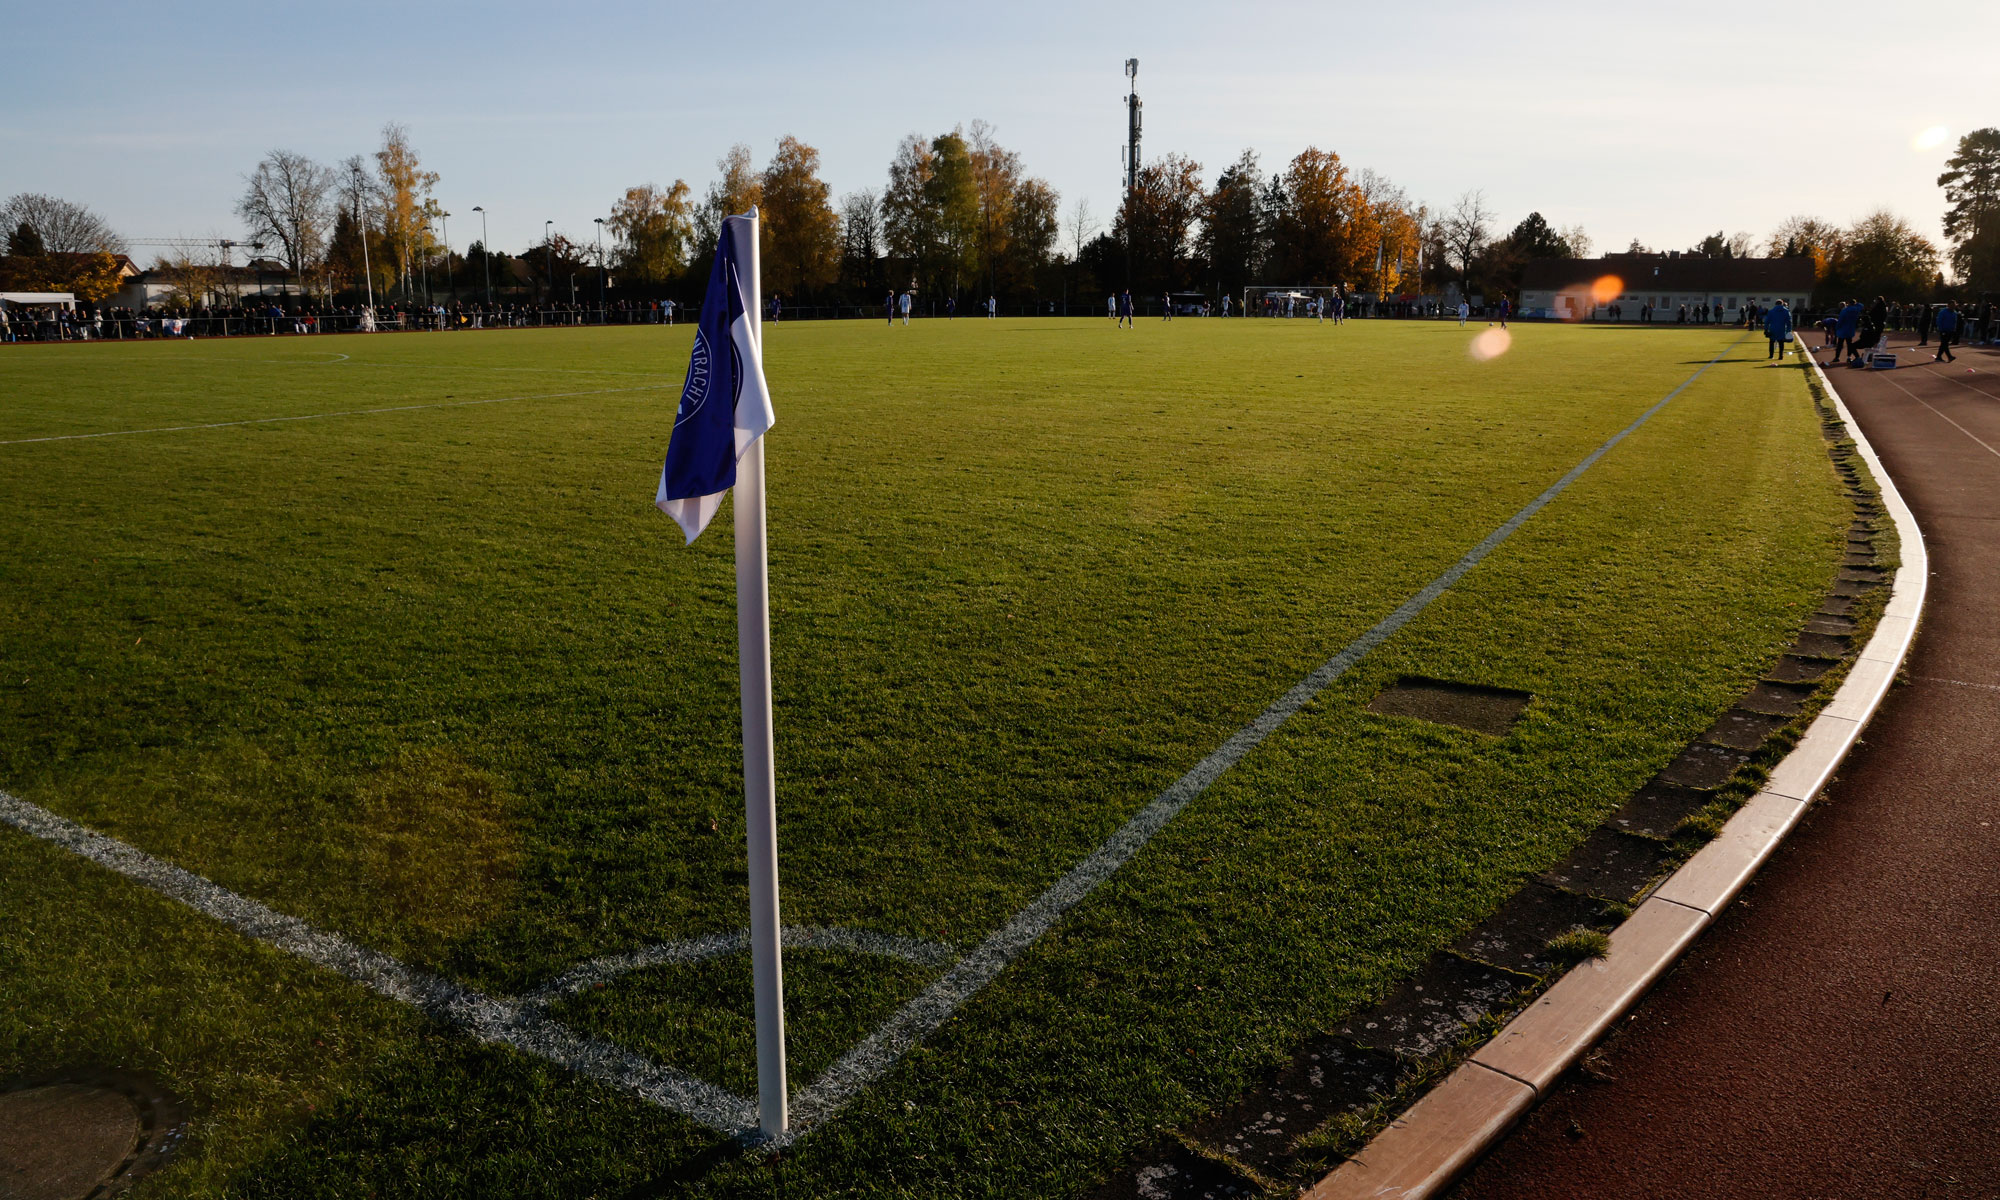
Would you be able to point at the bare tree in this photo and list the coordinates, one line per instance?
(1466, 230)
(1578, 241)
(1741, 243)
(63, 227)
(288, 199)
(1080, 225)
(861, 226)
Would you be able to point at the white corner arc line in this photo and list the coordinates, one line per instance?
(486, 1018)
(607, 967)
(881, 1050)
(352, 412)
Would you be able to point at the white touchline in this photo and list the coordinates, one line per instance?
(352, 412)
(398, 366)
(520, 1021)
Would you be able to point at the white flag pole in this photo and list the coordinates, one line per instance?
(760, 794)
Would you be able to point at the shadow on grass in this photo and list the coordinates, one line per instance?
(445, 1117)
(674, 1181)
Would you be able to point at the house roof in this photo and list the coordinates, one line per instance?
(1681, 273)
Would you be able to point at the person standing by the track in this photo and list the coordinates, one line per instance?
(1947, 328)
(1846, 331)
(1778, 329)
(1924, 324)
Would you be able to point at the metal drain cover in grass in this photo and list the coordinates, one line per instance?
(84, 1136)
(1466, 705)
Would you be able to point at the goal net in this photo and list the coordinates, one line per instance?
(1289, 300)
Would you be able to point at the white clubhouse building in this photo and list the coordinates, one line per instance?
(1583, 288)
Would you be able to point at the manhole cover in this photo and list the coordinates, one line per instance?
(1466, 705)
(84, 1135)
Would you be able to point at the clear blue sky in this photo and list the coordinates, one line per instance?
(1662, 124)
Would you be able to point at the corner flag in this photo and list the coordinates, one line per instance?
(725, 405)
(718, 443)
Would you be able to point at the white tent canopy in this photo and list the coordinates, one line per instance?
(66, 299)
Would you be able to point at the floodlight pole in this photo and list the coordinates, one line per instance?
(485, 253)
(549, 241)
(361, 219)
(602, 315)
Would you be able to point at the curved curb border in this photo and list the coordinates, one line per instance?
(1450, 1127)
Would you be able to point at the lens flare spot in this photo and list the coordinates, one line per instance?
(1932, 138)
(1606, 289)
(1490, 345)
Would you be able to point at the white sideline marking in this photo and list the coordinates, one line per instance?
(519, 1021)
(352, 412)
(873, 1058)
(487, 1018)
(294, 362)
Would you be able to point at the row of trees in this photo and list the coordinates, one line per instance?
(359, 225)
(959, 214)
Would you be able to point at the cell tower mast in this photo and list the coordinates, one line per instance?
(1132, 107)
(1131, 156)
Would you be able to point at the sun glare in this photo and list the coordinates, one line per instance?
(1490, 345)
(1607, 289)
(1932, 138)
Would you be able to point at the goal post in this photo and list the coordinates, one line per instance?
(1286, 300)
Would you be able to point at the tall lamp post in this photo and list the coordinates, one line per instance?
(444, 227)
(485, 253)
(549, 241)
(361, 222)
(224, 246)
(602, 315)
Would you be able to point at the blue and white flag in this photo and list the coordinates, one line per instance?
(725, 406)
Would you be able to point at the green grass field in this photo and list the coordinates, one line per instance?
(443, 681)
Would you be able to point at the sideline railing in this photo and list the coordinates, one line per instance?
(37, 325)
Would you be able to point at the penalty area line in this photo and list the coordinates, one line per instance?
(352, 412)
(866, 1063)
